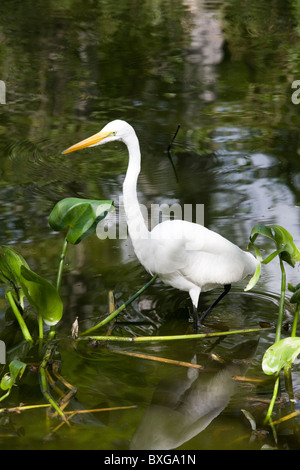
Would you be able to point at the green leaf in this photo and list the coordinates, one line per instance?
(254, 278)
(16, 368)
(285, 243)
(285, 246)
(10, 266)
(260, 229)
(42, 295)
(78, 216)
(280, 354)
(6, 382)
(295, 299)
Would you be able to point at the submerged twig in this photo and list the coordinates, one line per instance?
(18, 409)
(157, 359)
(71, 414)
(98, 410)
(286, 417)
(239, 378)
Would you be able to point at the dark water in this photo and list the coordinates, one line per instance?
(224, 72)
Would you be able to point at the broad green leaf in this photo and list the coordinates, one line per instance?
(6, 382)
(10, 266)
(278, 355)
(78, 216)
(285, 243)
(16, 368)
(260, 229)
(42, 295)
(285, 246)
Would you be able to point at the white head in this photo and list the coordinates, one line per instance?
(114, 130)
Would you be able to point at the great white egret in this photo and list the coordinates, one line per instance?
(183, 254)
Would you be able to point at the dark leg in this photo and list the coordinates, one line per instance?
(195, 316)
(227, 288)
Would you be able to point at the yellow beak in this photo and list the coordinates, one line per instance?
(94, 139)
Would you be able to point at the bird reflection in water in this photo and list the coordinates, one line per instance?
(182, 407)
(184, 404)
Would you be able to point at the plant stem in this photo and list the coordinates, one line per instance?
(281, 305)
(120, 309)
(295, 322)
(44, 384)
(289, 385)
(278, 335)
(139, 339)
(52, 332)
(41, 329)
(23, 408)
(61, 264)
(272, 403)
(271, 257)
(6, 395)
(19, 317)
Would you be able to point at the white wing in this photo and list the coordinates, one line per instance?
(194, 252)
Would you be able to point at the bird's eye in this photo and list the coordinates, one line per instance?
(114, 133)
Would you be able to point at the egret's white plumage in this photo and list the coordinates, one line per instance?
(185, 255)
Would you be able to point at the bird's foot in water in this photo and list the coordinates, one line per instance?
(198, 325)
(197, 322)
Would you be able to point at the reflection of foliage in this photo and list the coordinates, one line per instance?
(49, 49)
(70, 66)
(265, 37)
(251, 22)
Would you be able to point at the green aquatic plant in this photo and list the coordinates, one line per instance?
(21, 282)
(16, 369)
(280, 355)
(79, 218)
(283, 352)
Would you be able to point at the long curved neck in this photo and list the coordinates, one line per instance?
(135, 220)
